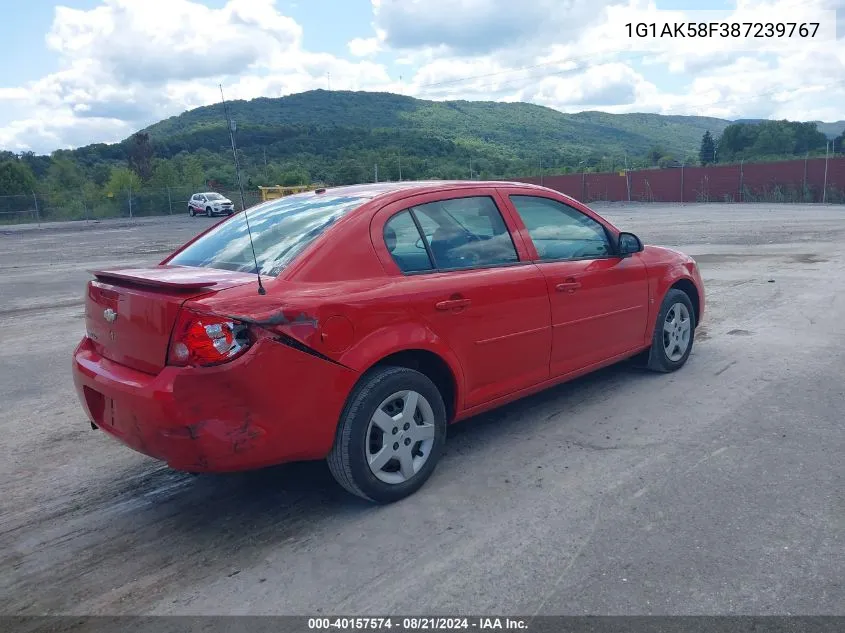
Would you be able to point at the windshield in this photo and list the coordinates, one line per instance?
(280, 230)
(214, 196)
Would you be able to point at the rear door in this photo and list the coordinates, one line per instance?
(599, 301)
(470, 280)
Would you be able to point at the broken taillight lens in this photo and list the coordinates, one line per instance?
(204, 339)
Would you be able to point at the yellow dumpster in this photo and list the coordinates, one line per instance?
(278, 191)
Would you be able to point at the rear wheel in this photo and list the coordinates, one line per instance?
(674, 333)
(390, 436)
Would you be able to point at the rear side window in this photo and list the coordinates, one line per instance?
(403, 240)
(464, 233)
(561, 232)
(281, 229)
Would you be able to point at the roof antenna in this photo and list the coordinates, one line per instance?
(231, 125)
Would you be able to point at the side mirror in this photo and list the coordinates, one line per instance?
(628, 244)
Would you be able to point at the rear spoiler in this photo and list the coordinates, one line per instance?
(170, 277)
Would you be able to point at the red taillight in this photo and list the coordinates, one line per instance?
(205, 339)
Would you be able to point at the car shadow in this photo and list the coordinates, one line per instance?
(214, 525)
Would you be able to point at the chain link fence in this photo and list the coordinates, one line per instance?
(82, 205)
(809, 180)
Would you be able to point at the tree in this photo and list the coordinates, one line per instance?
(122, 179)
(655, 154)
(39, 165)
(193, 173)
(707, 153)
(839, 143)
(164, 175)
(141, 155)
(64, 175)
(666, 161)
(774, 138)
(16, 178)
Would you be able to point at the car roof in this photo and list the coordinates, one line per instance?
(375, 190)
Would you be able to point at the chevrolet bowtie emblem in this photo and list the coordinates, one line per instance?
(110, 315)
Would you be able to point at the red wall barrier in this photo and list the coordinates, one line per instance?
(786, 181)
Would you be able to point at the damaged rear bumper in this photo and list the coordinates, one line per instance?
(273, 405)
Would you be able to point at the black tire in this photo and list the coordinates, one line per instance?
(191, 211)
(347, 460)
(208, 212)
(658, 358)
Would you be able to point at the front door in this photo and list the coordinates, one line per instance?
(464, 276)
(599, 301)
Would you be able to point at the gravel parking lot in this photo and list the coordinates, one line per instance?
(714, 490)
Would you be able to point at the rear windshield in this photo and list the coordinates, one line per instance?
(280, 230)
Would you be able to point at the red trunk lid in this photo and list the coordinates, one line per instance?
(130, 312)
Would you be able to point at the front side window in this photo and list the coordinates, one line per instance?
(281, 229)
(465, 233)
(561, 232)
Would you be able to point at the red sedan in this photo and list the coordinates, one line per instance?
(356, 323)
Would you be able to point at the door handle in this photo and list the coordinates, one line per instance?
(570, 285)
(451, 304)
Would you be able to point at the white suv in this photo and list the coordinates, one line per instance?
(209, 204)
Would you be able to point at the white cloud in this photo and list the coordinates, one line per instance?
(364, 46)
(582, 59)
(476, 27)
(127, 63)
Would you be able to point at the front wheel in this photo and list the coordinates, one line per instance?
(674, 333)
(390, 436)
(191, 211)
(209, 212)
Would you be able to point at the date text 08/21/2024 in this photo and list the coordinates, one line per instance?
(416, 623)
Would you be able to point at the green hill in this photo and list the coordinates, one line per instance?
(341, 137)
(518, 135)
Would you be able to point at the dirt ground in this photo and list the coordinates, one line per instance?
(714, 490)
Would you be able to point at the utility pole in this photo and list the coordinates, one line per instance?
(169, 200)
(84, 204)
(37, 213)
(804, 193)
(130, 201)
(541, 170)
(376, 171)
(329, 79)
(470, 167)
(399, 156)
(826, 155)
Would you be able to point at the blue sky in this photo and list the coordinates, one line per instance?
(96, 70)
